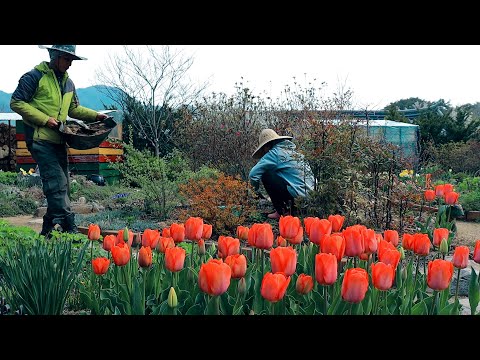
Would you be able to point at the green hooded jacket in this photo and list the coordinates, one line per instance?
(39, 96)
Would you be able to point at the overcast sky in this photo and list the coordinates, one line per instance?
(377, 74)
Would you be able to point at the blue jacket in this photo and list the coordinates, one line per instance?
(289, 165)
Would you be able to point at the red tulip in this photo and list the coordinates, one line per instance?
(307, 222)
(194, 228)
(476, 252)
(429, 195)
(291, 229)
(100, 265)
(391, 236)
(108, 242)
(447, 188)
(274, 286)
(174, 258)
(439, 190)
(439, 234)
(451, 198)
(120, 237)
(421, 244)
(355, 285)
(214, 277)
(407, 241)
(261, 236)
(238, 264)
(121, 254)
(93, 232)
(242, 232)
(334, 244)
(228, 245)
(370, 241)
(177, 232)
(354, 245)
(284, 260)
(390, 257)
(145, 257)
(326, 268)
(439, 274)
(207, 231)
(150, 238)
(165, 243)
(382, 275)
(336, 221)
(304, 284)
(319, 228)
(460, 257)
(166, 232)
(280, 241)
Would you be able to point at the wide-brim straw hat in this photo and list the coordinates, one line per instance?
(266, 136)
(67, 49)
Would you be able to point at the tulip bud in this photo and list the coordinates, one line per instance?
(125, 235)
(213, 249)
(242, 286)
(251, 312)
(402, 252)
(444, 246)
(172, 298)
(137, 240)
(201, 247)
(404, 273)
(190, 276)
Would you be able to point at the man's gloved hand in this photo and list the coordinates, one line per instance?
(101, 117)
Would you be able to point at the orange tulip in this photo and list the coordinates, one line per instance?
(291, 229)
(193, 228)
(120, 237)
(93, 232)
(242, 232)
(370, 241)
(307, 222)
(177, 232)
(354, 245)
(383, 246)
(109, 241)
(214, 277)
(274, 286)
(166, 232)
(439, 234)
(451, 198)
(355, 285)
(439, 274)
(100, 265)
(319, 228)
(407, 241)
(238, 264)
(121, 254)
(150, 238)
(460, 257)
(391, 236)
(145, 256)
(261, 236)
(174, 258)
(336, 221)
(390, 257)
(165, 243)
(439, 190)
(447, 188)
(280, 241)
(326, 268)
(429, 195)
(304, 284)
(476, 252)
(228, 245)
(284, 260)
(421, 244)
(382, 275)
(334, 244)
(207, 231)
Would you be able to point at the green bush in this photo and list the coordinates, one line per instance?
(135, 220)
(8, 177)
(14, 202)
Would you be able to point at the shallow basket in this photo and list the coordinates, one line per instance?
(85, 141)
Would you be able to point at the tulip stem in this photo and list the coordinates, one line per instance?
(99, 288)
(325, 294)
(458, 283)
(434, 300)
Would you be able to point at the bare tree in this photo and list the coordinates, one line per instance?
(150, 86)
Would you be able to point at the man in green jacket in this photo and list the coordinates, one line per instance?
(44, 97)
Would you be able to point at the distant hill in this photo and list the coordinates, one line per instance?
(93, 97)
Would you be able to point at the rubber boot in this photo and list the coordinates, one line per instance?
(68, 224)
(47, 226)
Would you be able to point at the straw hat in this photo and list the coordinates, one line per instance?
(67, 49)
(265, 137)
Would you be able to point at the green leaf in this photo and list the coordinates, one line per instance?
(420, 309)
(450, 309)
(196, 309)
(474, 291)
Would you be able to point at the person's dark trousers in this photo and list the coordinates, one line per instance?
(276, 188)
(53, 165)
